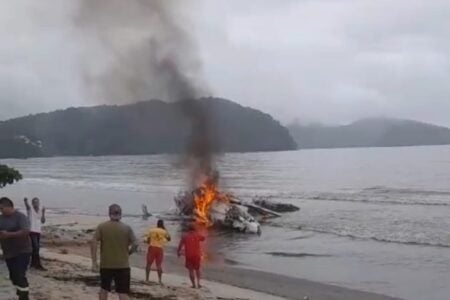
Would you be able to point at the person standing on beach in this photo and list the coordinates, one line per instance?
(16, 245)
(156, 238)
(117, 243)
(192, 251)
(36, 215)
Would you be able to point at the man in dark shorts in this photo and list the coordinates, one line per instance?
(117, 242)
(192, 250)
(16, 245)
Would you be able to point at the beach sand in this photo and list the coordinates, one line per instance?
(66, 254)
(69, 277)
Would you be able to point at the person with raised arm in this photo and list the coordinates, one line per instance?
(193, 254)
(36, 215)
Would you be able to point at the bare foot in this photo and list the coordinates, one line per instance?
(199, 286)
(193, 286)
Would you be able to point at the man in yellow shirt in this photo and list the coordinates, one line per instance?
(156, 238)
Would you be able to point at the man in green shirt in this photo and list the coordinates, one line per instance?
(117, 242)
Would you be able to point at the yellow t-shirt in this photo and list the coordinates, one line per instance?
(157, 237)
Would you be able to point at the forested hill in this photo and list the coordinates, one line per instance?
(148, 127)
(375, 132)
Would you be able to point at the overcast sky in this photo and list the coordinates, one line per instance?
(330, 61)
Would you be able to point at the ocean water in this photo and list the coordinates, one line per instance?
(376, 219)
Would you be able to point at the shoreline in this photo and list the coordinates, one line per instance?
(336, 239)
(271, 283)
(71, 233)
(69, 277)
(66, 254)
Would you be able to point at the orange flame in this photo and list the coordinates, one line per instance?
(204, 197)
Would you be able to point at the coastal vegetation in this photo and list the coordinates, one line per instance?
(149, 127)
(8, 175)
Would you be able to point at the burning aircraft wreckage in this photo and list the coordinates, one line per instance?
(208, 206)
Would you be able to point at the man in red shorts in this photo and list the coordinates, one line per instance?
(191, 244)
(156, 238)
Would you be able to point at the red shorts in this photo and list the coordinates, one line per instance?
(155, 254)
(193, 262)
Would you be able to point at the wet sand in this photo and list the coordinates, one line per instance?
(70, 241)
(69, 277)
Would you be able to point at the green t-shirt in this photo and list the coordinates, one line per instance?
(115, 241)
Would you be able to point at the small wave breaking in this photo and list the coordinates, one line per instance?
(383, 240)
(296, 255)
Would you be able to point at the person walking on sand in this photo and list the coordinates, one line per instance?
(16, 245)
(156, 238)
(36, 215)
(117, 243)
(192, 251)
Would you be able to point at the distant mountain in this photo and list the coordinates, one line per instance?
(143, 128)
(375, 132)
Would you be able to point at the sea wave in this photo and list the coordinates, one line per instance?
(439, 244)
(296, 255)
(121, 186)
(378, 196)
(408, 191)
(409, 202)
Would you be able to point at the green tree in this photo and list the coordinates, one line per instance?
(8, 175)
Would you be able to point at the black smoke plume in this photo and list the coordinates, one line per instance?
(149, 54)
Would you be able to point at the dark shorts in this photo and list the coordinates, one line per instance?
(193, 262)
(155, 255)
(121, 278)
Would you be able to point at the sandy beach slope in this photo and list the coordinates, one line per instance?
(66, 255)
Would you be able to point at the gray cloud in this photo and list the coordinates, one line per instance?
(38, 58)
(335, 61)
(322, 60)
